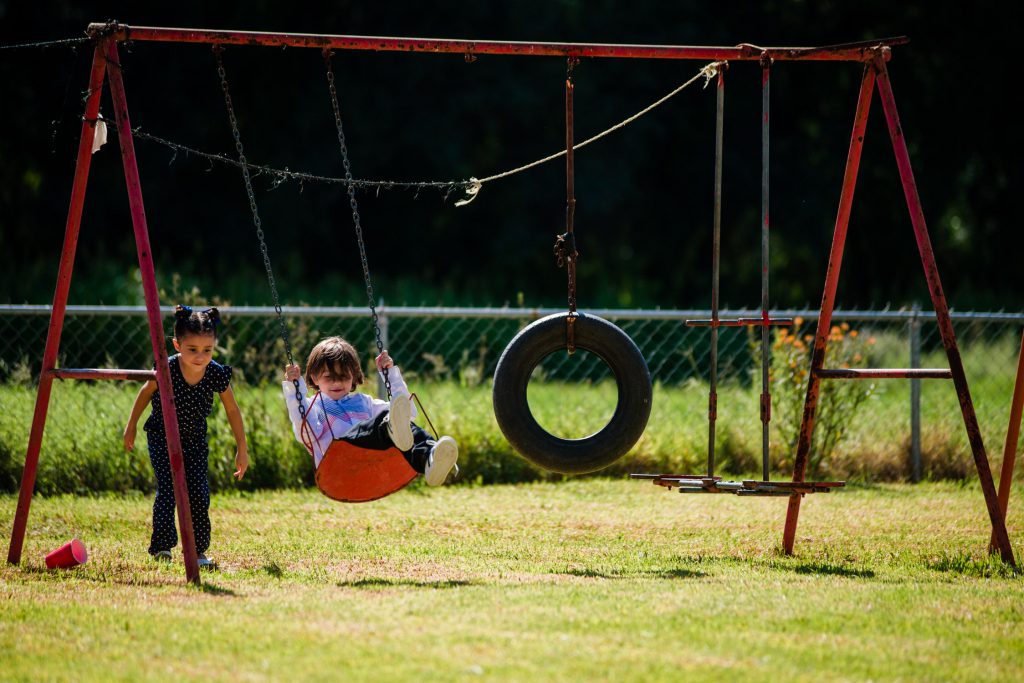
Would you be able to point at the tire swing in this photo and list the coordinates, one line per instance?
(571, 331)
(346, 473)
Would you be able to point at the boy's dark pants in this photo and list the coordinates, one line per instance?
(373, 434)
(197, 456)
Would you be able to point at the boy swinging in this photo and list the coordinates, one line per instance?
(338, 411)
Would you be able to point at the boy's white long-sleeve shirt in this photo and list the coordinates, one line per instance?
(331, 419)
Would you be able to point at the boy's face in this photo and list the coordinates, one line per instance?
(334, 384)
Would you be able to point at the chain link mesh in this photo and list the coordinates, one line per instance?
(464, 345)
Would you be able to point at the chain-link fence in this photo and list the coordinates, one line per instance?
(464, 345)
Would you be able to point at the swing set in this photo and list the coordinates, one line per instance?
(351, 475)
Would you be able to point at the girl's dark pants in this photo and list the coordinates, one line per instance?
(373, 434)
(197, 457)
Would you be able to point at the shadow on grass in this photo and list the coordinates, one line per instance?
(213, 589)
(832, 569)
(380, 582)
(135, 579)
(662, 574)
(990, 566)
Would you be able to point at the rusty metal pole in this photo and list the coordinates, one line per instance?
(766, 397)
(931, 272)
(1010, 445)
(848, 52)
(716, 244)
(828, 299)
(60, 300)
(156, 332)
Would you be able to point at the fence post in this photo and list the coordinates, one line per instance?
(914, 330)
(382, 322)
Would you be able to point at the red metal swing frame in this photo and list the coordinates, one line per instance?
(106, 63)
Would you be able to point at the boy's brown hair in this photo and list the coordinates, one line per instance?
(337, 356)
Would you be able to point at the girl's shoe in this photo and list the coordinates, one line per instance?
(162, 555)
(399, 421)
(206, 562)
(441, 461)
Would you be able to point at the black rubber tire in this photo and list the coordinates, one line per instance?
(512, 410)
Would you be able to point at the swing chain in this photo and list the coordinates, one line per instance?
(355, 210)
(233, 120)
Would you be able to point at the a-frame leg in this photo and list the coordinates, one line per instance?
(835, 262)
(879, 74)
(945, 323)
(163, 373)
(60, 300)
(105, 59)
(1010, 445)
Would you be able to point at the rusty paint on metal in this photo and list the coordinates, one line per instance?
(945, 324)
(828, 298)
(716, 247)
(152, 297)
(1010, 445)
(60, 300)
(103, 373)
(855, 52)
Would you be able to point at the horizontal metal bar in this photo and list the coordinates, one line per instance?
(850, 52)
(681, 315)
(769, 321)
(768, 493)
(738, 322)
(729, 485)
(884, 373)
(103, 373)
(757, 483)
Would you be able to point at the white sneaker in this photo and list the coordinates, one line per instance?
(206, 562)
(162, 555)
(399, 421)
(441, 461)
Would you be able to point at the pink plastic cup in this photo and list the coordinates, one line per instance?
(71, 554)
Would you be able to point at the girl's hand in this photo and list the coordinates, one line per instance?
(384, 361)
(241, 462)
(292, 373)
(129, 438)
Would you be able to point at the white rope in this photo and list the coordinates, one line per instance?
(475, 185)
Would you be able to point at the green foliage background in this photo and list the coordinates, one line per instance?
(644, 212)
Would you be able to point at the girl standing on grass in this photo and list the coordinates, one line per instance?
(195, 377)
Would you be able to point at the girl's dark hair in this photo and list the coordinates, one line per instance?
(187, 321)
(337, 356)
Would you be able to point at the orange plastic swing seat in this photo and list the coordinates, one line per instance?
(351, 474)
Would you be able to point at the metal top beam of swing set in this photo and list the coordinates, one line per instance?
(847, 52)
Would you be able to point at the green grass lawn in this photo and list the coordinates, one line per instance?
(595, 579)
(82, 448)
